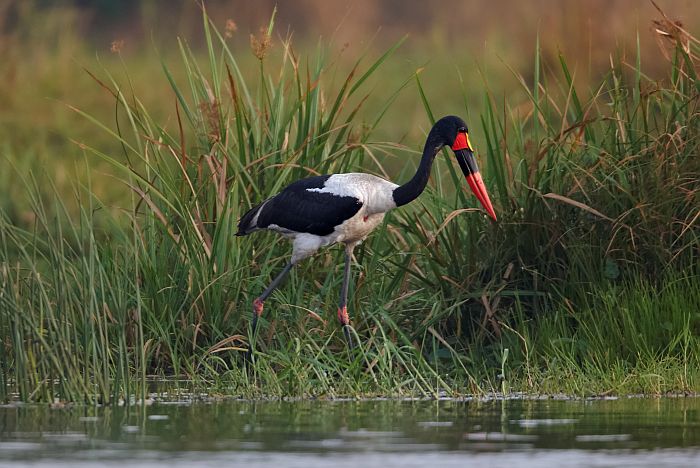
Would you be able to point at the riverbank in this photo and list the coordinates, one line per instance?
(587, 285)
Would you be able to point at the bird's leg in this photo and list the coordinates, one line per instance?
(343, 306)
(259, 304)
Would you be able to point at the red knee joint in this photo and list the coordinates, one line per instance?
(258, 306)
(343, 315)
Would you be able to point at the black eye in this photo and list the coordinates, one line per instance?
(462, 130)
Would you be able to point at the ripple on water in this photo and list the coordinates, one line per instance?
(427, 424)
(367, 434)
(364, 433)
(543, 422)
(17, 446)
(158, 417)
(499, 436)
(603, 437)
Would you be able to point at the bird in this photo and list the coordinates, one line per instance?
(323, 210)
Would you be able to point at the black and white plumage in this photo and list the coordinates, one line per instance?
(323, 210)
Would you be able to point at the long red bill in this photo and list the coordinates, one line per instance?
(477, 185)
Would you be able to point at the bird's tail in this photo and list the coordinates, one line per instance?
(248, 222)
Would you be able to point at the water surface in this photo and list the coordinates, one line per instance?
(622, 432)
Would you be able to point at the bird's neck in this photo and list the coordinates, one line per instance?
(409, 191)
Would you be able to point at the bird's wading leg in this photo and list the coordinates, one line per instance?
(343, 305)
(259, 303)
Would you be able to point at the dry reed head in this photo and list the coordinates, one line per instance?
(116, 46)
(260, 44)
(673, 32)
(211, 112)
(230, 28)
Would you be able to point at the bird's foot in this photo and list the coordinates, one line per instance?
(248, 356)
(348, 337)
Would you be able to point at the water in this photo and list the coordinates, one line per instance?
(624, 432)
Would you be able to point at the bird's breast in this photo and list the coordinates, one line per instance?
(359, 226)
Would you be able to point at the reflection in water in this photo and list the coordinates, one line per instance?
(641, 432)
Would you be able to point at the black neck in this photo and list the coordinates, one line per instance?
(414, 187)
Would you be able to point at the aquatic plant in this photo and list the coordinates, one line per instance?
(589, 278)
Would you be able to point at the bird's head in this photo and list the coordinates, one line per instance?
(452, 131)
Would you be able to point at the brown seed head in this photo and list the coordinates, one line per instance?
(260, 44)
(672, 31)
(231, 27)
(117, 46)
(211, 112)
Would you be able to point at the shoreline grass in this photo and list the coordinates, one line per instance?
(588, 284)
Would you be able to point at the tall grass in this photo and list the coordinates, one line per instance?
(598, 204)
(590, 190)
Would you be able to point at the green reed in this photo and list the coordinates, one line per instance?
(597, 197)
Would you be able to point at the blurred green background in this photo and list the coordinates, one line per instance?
(47, 46)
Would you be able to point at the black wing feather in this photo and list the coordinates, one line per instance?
(245, 224)
(297, 209)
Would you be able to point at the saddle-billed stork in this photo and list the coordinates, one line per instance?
(318, 211)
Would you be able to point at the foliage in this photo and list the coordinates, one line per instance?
(597, 199)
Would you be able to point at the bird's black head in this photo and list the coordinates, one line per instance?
(448, 128)
(452, 131)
